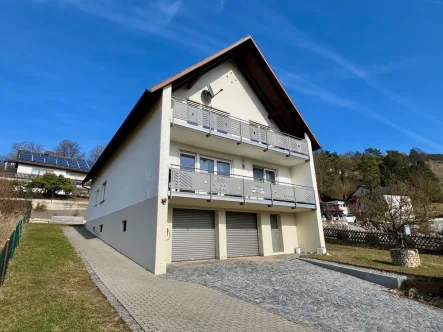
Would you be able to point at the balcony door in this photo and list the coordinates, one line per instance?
(264, 174)
(215, 166)
(187, 162)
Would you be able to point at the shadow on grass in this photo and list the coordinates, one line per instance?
(383, 262)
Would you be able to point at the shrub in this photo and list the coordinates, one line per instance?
(40, 207)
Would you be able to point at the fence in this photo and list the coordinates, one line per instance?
(8, 250)
(425, 244)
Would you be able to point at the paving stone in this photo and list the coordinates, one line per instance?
(311, 295)
(163, 305)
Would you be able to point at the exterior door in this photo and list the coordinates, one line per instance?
(193, 235)
(275, 231)
(241, 234)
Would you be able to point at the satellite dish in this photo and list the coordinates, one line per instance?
(209, 93)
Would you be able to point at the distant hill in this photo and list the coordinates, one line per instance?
(437, 168)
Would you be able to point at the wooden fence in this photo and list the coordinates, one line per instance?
(425, 244)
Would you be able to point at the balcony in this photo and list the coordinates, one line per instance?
(195, 183)
(221, 130)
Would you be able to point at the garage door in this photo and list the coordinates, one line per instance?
(242, 234)
(193, 235)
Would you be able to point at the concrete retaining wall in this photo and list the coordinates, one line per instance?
(384, 279)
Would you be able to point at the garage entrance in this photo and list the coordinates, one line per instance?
(241, 234)
(193, 235)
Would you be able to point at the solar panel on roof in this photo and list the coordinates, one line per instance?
(62, 162)
(26, 156)
(72, 163)
(38, 158)
(82, 163)
(51, 160)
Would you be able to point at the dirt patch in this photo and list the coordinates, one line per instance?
(426, 290)
(7, 226)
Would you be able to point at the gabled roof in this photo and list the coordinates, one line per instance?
(256, 70)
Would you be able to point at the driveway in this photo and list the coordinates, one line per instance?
(151, 303)
(311, 295)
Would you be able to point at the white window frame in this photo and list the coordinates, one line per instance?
(264, 172)
(215, 159)
(102, 198)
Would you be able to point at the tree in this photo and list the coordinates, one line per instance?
(369, 170)
(373, 152)
(50, 184)
(395, 167)
(68, 148)
(25, 145)
(95, 153)
(323, 169)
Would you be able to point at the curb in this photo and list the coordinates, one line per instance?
(389, 281)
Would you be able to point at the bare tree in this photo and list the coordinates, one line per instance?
(68, 148)
(25, 145)
(406, 204)
(95, 153)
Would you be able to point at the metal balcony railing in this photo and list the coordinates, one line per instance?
(232, 187)
(215, 122)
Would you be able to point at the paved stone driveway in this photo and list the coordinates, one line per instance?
(166, 305)
(304, 293)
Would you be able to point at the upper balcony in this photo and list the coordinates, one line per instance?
(202, 126)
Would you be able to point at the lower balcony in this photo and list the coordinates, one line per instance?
(199, 184)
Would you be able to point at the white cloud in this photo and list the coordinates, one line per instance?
(292, 35)
(155, 17)
(306, 87)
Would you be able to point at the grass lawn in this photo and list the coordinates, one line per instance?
(48, 288)
(432, 265)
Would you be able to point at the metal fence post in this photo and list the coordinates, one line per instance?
(5, 262)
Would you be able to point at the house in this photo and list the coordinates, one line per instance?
(335, 207)
(398, 206)
(28, 165)
(213, 163)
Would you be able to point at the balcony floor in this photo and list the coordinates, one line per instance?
(223, 143)
(191, 200)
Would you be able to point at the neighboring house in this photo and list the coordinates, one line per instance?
(215, 162)
(401, 206)
(336, 207)
(28, 165)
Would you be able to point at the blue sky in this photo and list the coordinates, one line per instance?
(363, 74)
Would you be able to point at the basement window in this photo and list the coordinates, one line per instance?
(97, 193)
(103, 192)
(101, 228)
(124, 222)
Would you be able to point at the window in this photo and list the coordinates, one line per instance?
(124, 222)
(187, 162)
(101, 228)
(37, 172)
(213, 165)
(93, 229)
(103, 192)
(263, 174)
(97, 193)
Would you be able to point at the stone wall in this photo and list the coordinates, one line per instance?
(405, 257)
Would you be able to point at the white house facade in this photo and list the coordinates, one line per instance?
(213, 163)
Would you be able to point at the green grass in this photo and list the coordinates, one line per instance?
(432, 265)
(48, 288)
